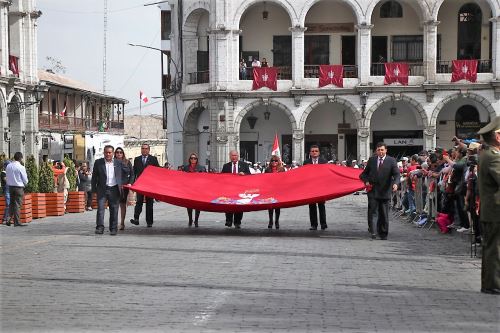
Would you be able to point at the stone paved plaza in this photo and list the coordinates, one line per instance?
(57, 275)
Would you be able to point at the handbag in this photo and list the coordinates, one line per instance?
(131, 198)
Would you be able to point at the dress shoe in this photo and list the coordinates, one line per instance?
(196, 224)
(493, 291)
(150, 225)
(19, 225)
(270, 225)
(383, 238)
(7, 224)
(313, 228)
(324, 226)
(228, 224)
(277, 225)
(99, 231)
(237, 226)
(373, 236)
(190, 223)
(134, 221)
(113, 232)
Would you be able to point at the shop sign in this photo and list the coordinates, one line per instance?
(404, 142)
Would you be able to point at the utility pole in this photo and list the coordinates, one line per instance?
(104, 49)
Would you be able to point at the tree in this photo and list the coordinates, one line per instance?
(33, 175)
(70, 173)
(46, 181)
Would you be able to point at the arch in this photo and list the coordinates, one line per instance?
(492, 3)
(336, 99)
(252, 105)
(190, 133)
(417, 106)
(425, 10)
(285, 4)
(390, 9)
(192, 8)
(472, 96)
(355, 6)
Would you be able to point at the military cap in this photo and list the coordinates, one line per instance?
(493, 126)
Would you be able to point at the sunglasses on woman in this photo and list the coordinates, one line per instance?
(193, 158)
(275, 161)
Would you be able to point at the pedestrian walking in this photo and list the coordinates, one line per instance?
(140, 163)
(489, 207)
(17, 179)
(107, 182)
(85, 184)
(6, 193)
(314, 158)
(274, 166)
(127, 178)
(193, 166)
(381, 176)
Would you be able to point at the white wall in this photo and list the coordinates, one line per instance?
(325, 119)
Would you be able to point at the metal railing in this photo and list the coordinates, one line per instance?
(199, 77)
(446, 67)
(55, 122)
(284, 73)
(312, 71)
(415, 69)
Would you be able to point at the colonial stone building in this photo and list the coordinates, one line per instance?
(211, 107)
(20, 91)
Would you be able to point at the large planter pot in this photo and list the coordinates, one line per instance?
(76, 202)
(25, 214)
(55, 204)
(38, 205)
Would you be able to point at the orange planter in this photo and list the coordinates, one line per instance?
(55, 204)
(76, 202)
(25, 215)
(38, 205)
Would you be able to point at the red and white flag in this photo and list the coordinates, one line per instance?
(265, 77)
(331, 74)
(464, 70)
(143, 97)
(63, 112)
(396, 72)
(276, 146)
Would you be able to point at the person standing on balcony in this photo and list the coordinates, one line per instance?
(17, 179)
(243, 69)
(256, 62)
(264, 63)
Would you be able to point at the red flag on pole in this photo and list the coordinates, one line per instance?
(396, 72)
(265, 77)
(464, 70)
(331, 74)
(276, 146)
(143, 97)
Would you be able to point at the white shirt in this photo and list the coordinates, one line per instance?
(110, 173)
(16, 174)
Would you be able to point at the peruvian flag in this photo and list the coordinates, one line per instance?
(464, 70)
(396, 72)
(331, 74)
(63, 112)
(276, 146)
(265, 77)
(143, 97)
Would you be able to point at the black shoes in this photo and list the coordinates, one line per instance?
(313, 228)
(277, 225)
(150, 225)
(190, 223)
(237, 226)
(383, 238)
(19, 225)
(270, 225)
(134, 221)
(99, 231)
(228, 224)
(112, 232)
(196, 224)
(493, 291)
(7, 224)
(372, 234)
(324, 226)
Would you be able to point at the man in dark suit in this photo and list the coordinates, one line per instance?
(140, 163)
(313, 215)
(381, 176)
(240, 168)
(107, 181)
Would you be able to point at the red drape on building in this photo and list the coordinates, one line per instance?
(464, 70)
(396, 72)
(235, 193)
(331, 74)
(265, 77)
(14, 64)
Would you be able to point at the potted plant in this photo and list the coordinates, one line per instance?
(54, 200)
(76, 199)
(32, 196)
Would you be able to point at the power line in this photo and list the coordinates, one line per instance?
(105, 42)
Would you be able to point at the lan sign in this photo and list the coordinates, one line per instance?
(404, 142)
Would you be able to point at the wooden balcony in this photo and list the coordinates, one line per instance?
(58, 123)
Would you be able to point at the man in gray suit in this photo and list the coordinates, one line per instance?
(107, 182)
(381, 176)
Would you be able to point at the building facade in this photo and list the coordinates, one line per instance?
(20, 90)
(211, 107)
(146, 129)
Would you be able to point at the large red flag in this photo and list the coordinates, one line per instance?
(265, 77)
(331, 74)
(226, 192)
(464, 70)
(396, 72)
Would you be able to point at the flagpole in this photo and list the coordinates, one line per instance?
(140, 116)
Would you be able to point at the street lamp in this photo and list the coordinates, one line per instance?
(38, 92)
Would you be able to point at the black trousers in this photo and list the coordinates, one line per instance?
(234, 217)
(111, 195)
(149, 208)
(16, 202)
(313, 216)
(380, 207)
(490, 266)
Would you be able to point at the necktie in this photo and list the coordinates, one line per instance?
(234, 168)
(315, 161)
(144, 159)
(380, 161)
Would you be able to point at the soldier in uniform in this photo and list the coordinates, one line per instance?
(489, 214)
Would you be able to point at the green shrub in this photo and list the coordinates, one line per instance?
(33, 175)
(70, 173)
(46, 180)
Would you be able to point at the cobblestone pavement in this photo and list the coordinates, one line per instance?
(57, 275)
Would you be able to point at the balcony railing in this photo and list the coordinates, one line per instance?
(415, 69)
(54, 122)
(199, 77)
(312, 71)
(284, 73)
(445, 66)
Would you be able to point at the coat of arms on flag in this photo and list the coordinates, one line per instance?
(265, 77)
(464, 70)
(331, 74)
(396, 72)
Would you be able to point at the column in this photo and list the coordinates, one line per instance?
(430, 50)
(4, 36)
(297, 55)
(220, 60)
(364, 52)
(495, 45)
(364, 143)
(429, 137)
(298, 145)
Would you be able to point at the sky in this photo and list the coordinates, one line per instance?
(72, 32)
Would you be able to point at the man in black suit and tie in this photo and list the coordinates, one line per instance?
(107, 181)
(381, 176)
(140, 163)
(240, 168)
(313, 215)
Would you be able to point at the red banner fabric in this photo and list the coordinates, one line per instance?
(396, 72)
(464, 70)
(331, 74)
(14, 64)
(265, 77)
(234, 193)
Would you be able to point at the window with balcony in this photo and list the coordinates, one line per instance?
(166, 24)
(282, 51)
(391, 9)
(317, 50)
(407, 48)
(469, 32)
